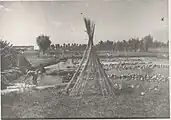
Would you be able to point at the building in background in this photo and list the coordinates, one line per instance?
(23, 48)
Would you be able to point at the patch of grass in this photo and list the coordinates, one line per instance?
(49, 103)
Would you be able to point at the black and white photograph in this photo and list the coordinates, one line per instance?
(85, 59)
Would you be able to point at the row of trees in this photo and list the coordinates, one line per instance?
(133, 44)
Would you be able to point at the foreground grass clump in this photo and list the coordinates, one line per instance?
(48, 103)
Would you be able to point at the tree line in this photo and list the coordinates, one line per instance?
(133, 44)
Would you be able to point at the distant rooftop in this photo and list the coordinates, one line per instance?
(22, 46)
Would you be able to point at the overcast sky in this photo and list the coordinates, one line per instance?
(22, 22)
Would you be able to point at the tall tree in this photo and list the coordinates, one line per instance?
(136, 44)
(64, 45)
(125, 45)
(114, 47)
(100, 45)
(130, 44)
(69, 45)
(57, 46)
(141, 46)
(109, 45)
(43, 42)
(148, 41)
(52, 46)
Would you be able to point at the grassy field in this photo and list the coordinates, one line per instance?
(48, 103)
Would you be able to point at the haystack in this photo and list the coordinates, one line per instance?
(90, 77)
